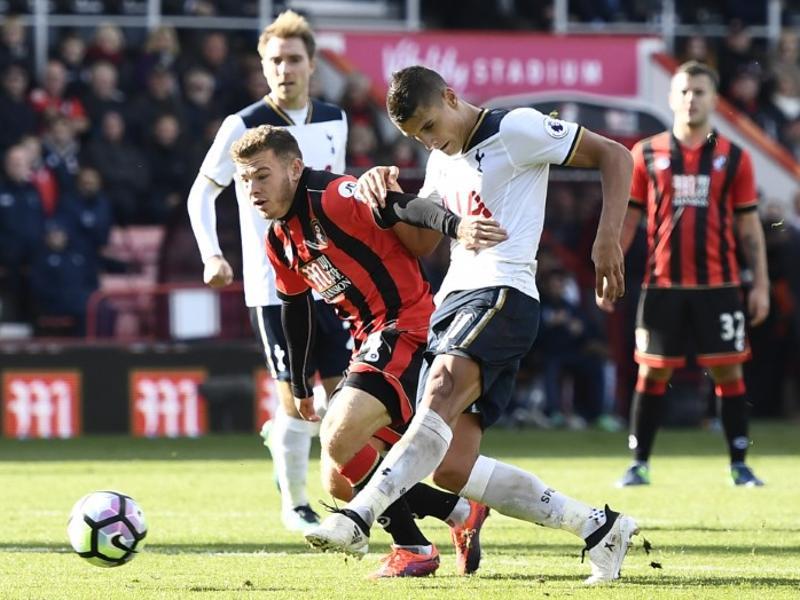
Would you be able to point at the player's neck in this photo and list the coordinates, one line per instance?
(691, 136)
(296, 104)
(470, 114)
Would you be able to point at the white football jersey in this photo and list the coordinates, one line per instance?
(501, 175)
(322, 139)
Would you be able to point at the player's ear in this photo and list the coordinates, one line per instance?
(450, 97)
(295, 169)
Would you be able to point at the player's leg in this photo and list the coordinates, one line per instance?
(723, 347)
(660, 320)
(289, 435)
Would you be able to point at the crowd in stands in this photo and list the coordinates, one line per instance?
(113, 132)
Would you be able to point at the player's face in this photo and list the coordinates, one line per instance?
(437, 126)
(288, 70)
(270, 182)
(692, 98)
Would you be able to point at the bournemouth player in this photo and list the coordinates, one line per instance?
(696, 190)
(322, 238)
(494, 163)
(287, 49)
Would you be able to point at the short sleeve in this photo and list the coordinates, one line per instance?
(287, 281)
(342, 205)
(639, 181)
(743, 187)
(533, 138)
(430, 185)
(218, 165)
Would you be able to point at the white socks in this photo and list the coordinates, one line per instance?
(516, 493)
(410, 461)
(290, 445)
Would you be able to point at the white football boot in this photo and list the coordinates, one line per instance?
(339, 532)
(608, 545)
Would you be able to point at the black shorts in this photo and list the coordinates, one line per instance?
(387, 366)
(672, 323)
(332, 343)
(495, 327)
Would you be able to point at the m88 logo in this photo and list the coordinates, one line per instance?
(41, 404)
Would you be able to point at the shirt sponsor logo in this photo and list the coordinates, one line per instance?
(327, 280)
(690, 190)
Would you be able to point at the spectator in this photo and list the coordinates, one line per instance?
(104, 94)
(21, 220)
(360, 108)
(51, 99)
(737, 52)
(786, 61)
(42, 176)
(745, 93)
(60, 151)
(215, 58)
(161, 49)
(697, 48)
(17, 118)
(200, 105)
(14, 48)
(72, 54)
(89, 210)
(568, 342)
(161, 96)
(108, 44)
(170, 170)
(404, 154)
(124, 169)
(362, 147)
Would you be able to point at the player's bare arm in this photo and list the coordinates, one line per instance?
(633, 217)
(751, 238)
(616, 167)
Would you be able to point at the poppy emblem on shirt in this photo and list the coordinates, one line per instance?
(555, 128)
(320, 238)
(720, 162)
(347, 189)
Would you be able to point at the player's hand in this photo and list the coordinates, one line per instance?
(217, 272)
(603, 304)
(305, 406)
(609, 267)
(758, 304)
(373, 185)
(478, 233)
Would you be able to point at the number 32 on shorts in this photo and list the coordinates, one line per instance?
(732, 328)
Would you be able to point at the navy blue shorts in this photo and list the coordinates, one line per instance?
(332, 342)
(496, 328)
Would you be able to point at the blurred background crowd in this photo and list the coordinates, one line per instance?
(104, 141)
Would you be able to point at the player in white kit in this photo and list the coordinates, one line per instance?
(494, 163)
(287, 49)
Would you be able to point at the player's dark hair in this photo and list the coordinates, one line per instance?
(266, 137)
(411, 88)
(694, 68)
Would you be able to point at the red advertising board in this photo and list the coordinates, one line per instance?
(265, 399)
(41, 404)
(481, 66)
(167, 403)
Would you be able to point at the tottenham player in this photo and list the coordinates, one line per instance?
(287, 49)
(494, 163)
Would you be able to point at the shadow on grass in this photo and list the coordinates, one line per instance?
(280, 548)
(660, 549)
(655, 580)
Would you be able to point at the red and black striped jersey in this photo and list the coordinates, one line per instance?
(335, 244)
(691, 196)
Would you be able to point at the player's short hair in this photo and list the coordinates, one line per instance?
(288, 25)
(695, 67)
(266, 137)
(411, 88)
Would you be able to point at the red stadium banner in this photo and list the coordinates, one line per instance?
(264, 397)
(481, 66)
(167, 403)
(41, 404)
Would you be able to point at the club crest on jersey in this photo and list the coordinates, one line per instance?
(347, 189)
(320, 241)
(642, 337)
(661, 163)
(555, 128)
(720, 162)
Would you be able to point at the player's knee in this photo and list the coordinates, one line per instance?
(336, 442)
(440, 385)
(450, 476)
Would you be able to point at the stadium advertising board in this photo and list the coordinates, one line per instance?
(167, 403)
(41, 404)
(483, 66)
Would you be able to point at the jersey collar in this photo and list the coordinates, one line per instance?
(282, 113)
(468, 143)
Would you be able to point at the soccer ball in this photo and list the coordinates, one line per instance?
(107, 528)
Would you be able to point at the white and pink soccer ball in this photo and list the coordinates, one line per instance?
(107, 528)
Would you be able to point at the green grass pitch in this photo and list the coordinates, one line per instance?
(214, 531)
